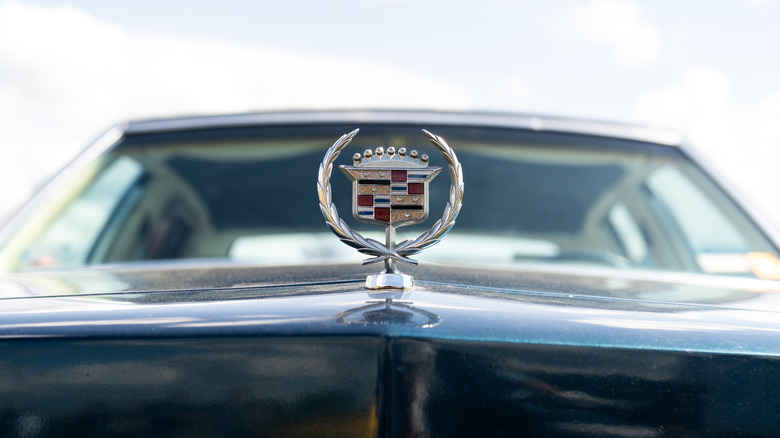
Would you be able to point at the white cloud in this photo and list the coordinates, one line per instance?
(70, 61)
(509, 94)
(621, 26)
(65, 75)
(743, 141)
(701, 95)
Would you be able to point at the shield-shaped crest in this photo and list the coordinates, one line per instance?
(390, 188)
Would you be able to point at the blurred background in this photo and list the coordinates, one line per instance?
(71, 68)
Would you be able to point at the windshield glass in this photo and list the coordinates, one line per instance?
(249, 194)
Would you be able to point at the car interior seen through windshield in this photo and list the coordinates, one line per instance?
(249, 194)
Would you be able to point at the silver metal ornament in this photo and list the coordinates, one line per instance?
(391, 190)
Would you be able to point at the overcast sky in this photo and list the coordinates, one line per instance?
(69, 69)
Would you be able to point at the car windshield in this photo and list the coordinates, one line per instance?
(249, 194)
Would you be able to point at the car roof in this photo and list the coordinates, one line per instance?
(477, 119)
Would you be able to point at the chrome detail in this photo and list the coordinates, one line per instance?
(390, 252)
(442, 118)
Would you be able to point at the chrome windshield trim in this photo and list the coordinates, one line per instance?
(481, 119)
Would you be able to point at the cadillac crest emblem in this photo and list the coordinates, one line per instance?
(390, 188)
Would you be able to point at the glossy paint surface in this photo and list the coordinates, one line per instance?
(189, 387)
(369, 386)
(325, 358)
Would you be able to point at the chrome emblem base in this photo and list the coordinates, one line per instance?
(390, 280)
(390, 277)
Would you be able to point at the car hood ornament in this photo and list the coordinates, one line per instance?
(390, 188)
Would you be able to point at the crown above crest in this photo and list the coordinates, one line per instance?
(381, 158)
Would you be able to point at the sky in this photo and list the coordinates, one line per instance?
(70, 69)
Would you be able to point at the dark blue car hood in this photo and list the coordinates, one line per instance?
(535, 305)
(290, 351)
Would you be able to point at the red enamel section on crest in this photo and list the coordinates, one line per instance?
(398, 176)
(365, 200)
(382, 214)
(415, 188)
